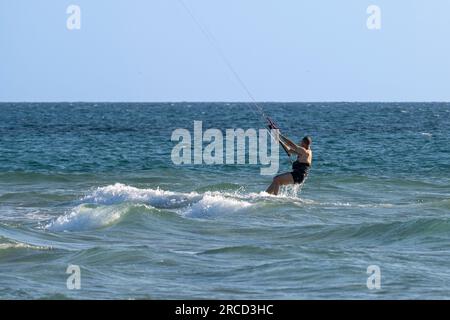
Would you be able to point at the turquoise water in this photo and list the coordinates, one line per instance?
(93, 185)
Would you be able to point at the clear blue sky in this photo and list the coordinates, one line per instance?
(284, 50)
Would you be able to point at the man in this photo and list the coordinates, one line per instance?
(300, 167)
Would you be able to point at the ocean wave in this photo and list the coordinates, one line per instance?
(106, 206)
(6, 244)
(243, 249)
(354, 205)
(213, 204)
(426, 134)
(406, 229)
(190, 204)
(85, 217)
(119, 193)
(381, 231)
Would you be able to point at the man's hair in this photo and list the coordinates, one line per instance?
(307, 140)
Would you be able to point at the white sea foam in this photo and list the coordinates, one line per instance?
(119, 193)
(214, 204)
(107, 205)
(83, 217)
(22, 245)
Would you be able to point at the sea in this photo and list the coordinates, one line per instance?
(92, 205)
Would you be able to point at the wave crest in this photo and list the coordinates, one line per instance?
(213, 204)
(84, 217)
(119, 193)
(107, 205)
(6, 243)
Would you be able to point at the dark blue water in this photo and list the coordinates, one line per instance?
(94, 185)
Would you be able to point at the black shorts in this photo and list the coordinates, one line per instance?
(299, 176)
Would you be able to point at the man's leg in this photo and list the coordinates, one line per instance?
(280, 180)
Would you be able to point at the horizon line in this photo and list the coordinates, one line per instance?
(218, 101)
